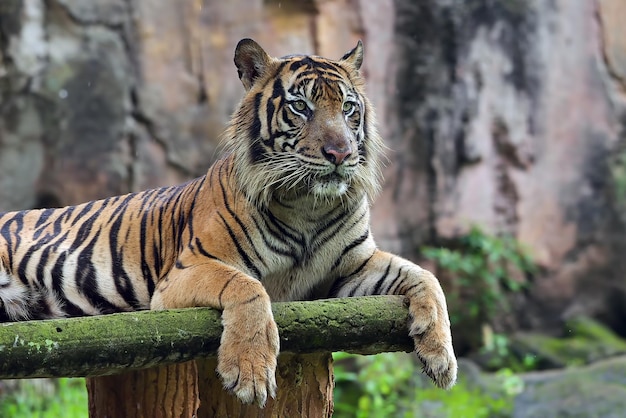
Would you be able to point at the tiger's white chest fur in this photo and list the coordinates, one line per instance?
(320, 253)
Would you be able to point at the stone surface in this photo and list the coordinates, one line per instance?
(598, 390)
(507, 116)
(583, 341)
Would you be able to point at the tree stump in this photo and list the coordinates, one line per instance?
(157, 392)
(193, 389)
(305, 389)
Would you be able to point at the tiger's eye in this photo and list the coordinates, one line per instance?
(299, 105)
(347, 107)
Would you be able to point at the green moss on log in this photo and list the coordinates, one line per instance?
(101, 345)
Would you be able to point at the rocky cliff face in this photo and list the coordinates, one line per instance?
(506, 113)
(512, 112)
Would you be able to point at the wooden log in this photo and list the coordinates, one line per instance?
(110, 344)
(151, 356)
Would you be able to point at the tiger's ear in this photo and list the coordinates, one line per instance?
(354, 57)
(251, 61)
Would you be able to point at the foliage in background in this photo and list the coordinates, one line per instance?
(65, 397)
(392, 385)
(484, 269)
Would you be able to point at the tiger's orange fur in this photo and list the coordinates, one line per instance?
(284, 216)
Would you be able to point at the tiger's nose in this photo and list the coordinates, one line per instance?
(335, 154)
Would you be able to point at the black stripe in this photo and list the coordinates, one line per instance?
(13, 240)
(145, 268)
(123, 283)
(385, 290)
(277, 88)
(383, 278)
(228, 282)
(203, 251)
(269, 111)
(380, 281)
(85, 210)
(314, 63)
(246, 259)
(413, 286)
(283, 229)
(86, 279)
(287, 118)
(360, 240)
(257, 152)
(121, 207)
(158, 266)
(397, 281)
(270, 245)
(327, 74)
(338, 226)
(178, 220)
(43, 217)
(332, 221)
(252, 299)
(85, 228)
(197, 187)
(43, 262)
(57, 285)
(243, 227)
(342, 281)
(362, 148)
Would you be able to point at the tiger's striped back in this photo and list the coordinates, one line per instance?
(99, 257)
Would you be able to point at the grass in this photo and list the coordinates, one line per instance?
(392, 385)
(44, 398)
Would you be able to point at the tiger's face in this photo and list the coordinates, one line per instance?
(304, 128)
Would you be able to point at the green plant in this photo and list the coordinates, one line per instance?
(67, 398)
(391, 385)
(369, 386)
(483, 269)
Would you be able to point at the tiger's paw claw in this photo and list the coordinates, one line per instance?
(247, 366)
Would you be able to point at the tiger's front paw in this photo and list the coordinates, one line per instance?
(247, 356)
(430, 329)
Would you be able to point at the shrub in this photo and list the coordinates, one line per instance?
(483, 269)
(391, 385)
(66, 397)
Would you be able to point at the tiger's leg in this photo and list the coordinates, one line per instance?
(386, 273)
(249, 344)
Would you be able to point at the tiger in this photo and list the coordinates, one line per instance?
(284, 215)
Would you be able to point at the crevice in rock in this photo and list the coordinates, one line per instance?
(604, 54)
(141, 119)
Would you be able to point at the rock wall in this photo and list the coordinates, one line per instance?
(506, 113)
(509, 115)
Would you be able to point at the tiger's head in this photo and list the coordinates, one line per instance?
(304, 129)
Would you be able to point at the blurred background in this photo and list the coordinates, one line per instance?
(506, 127)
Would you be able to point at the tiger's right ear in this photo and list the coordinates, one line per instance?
(251, 61)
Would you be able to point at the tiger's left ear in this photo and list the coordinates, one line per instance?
(354, 57)
(251, 61)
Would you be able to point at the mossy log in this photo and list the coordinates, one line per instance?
(110, 344)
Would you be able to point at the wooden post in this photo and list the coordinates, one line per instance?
(193, 389)
(157, 392)
(305, 389)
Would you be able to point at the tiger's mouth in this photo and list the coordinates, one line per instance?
(333, 177)
(330, 185)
